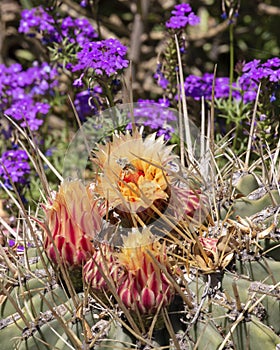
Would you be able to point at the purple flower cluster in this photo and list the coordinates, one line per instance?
(20, 89)
(105, 57)
(156, 116)
(182, 15)
(26, 110)
(254, 72)
(38, 21)
(197, 87)
(78, 30)
(14, 167)
(244, 88)
(86, 56)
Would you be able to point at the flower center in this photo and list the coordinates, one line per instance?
(131, 173)
(133, 176)
(139, 179)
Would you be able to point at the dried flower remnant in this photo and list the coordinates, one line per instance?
(210, 254)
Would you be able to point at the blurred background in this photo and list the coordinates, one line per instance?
(140, 26)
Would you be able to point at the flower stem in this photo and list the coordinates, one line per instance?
(231, 59)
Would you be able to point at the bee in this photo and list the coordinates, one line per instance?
(125, 165)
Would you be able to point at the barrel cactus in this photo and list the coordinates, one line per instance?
(144, 272)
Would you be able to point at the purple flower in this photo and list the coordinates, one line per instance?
(274, 76)
(193, 20)
(272, 63)
(245, 87)
(12, 243)
(78, 31)
(224, 15)
(156, 116)
(272, 97)
(106, 57)
(49, 152)
(161, 80)
(83, 3)
(14, 163)
(197, 87)
(79, 82)
(177, 22)
(181, 16)
(255, 72)
(20, 90)
(181, 9)
(164, 102)
(251, 65)
(38, 20)
(249, 96)
(20, 247)
(26, 111)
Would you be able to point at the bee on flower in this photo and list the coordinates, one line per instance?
(136, 179)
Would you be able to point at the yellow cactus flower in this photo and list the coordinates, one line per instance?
(133, 173)
(137, 175)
